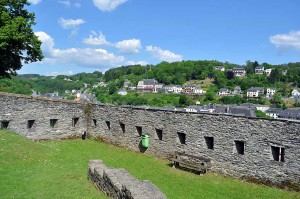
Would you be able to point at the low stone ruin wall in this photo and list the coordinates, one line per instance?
(118, 183)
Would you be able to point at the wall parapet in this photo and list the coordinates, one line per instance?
(118, 183)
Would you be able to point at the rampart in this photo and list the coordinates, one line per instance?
(251, 148)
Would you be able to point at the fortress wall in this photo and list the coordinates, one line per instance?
(260, 140)
(31, 117)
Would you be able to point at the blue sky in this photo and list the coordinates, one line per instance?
(89, 35)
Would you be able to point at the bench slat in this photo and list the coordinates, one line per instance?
(190, 164)
(192, 156)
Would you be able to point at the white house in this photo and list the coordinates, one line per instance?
(198, 91)
(146, 85)
(255, 92)
(295, 93)
(239, 72)
(268, 71)
(224, 92)
(270, 92)
(177, 89)
(158, 88)
(220, 68)
(273, 112)
(259, 70)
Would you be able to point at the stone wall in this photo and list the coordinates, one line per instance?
(252, 148)
(40, 118)
(118, 183)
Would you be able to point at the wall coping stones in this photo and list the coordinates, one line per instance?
(152, 109)
(118, 183)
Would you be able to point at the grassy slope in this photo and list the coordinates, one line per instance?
(58, 169)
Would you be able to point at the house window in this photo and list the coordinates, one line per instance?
(240, 147)
(4, 124)
(95, 122)
(139, 130)
(108, 124)
(122, 127)
(159, 134)
(53, 123)
(277, 153)
(30, 124)
(181, 137)
(75, 121)
(209, 142)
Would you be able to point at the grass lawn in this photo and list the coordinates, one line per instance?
(58, 169)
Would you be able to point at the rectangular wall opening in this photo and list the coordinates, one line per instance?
(53, 123)
(94, 122)
(4, 124)
(159, 134)
(30, 124)
(122, 127)
(240, 147)
(277, 153)
(181, 137)
(75, 121)
(139, 130)
(209, 142)
(108, 124)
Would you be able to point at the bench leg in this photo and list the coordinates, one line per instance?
(175, 164)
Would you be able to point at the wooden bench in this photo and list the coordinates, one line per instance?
(197, 163)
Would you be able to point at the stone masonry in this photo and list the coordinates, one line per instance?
(118, 183)
(264, 150)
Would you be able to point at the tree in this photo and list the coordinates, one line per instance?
(18, 43)
(183, 101)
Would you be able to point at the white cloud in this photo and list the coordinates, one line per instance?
(34, 2)
(286, 41)
(97, 40)
(129, 46)
(60, 73)
(163, 55)
(68, 3)
(86, 57)
(72, 24)
(142, 63)
(108, 5)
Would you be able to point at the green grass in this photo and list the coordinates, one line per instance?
(58, 169)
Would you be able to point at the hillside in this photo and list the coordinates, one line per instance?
(284, 78)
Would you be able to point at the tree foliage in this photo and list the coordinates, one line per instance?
(18, 43)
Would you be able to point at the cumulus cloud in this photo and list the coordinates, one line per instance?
(34, 2)
(108, 5)
(163, 55)
(142, 63)
(130, 46)
(290, 41)
(72, 24)
(87, 57)
(96, 39)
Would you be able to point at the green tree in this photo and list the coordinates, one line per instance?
(18, 43)
(183, 100)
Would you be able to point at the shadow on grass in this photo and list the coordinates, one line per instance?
(185, 168)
